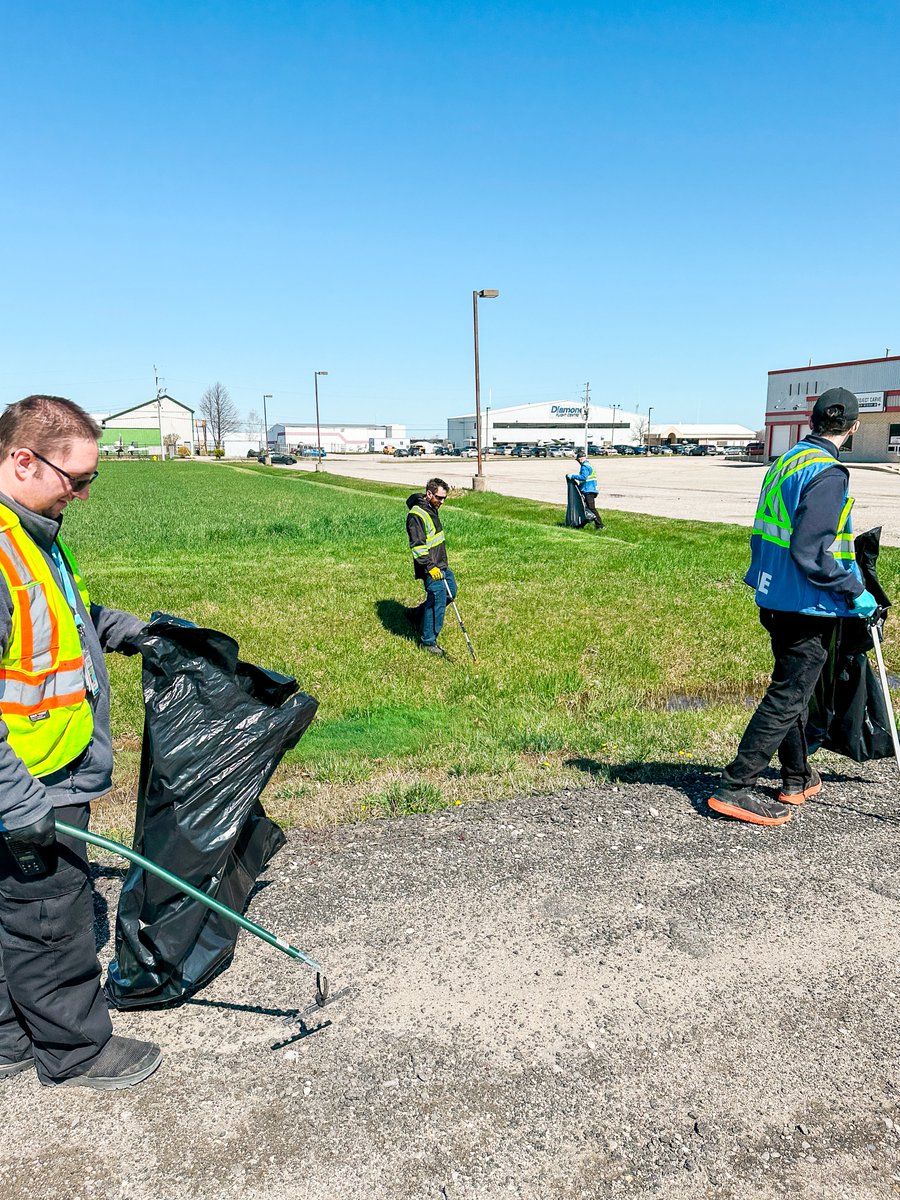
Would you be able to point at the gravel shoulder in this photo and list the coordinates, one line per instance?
(600, 993)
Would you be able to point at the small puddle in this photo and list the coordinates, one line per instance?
(678, 703)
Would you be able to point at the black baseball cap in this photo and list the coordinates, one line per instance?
(836, 402)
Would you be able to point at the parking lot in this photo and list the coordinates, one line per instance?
(699, 489)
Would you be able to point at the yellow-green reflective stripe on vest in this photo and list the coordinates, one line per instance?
(772, 522)
(842, 546)
(42, 693)
(433, 536)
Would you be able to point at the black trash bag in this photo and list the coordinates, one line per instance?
(847, 713)
(215, 729)
(575, 510)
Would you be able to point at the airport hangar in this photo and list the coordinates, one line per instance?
(338, 437)
(547, 422)
(874, 381)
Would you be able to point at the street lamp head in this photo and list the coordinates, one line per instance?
(267, 396)
(321, 372)
(489, 294)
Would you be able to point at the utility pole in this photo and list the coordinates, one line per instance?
(162, 450)
(267, 457)
(587, 408)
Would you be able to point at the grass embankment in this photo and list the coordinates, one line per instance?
(592, 648)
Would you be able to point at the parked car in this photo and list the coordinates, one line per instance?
(520, 451)
(253, 454)
(711, 449)
(755, 451)
(469, 452)
(622, 448)
(678, 448)
(401, 453)
(537, 452)
(734, 451)
(311, 452)
(698, 451)
(280, 460)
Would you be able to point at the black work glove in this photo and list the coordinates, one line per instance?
(33, 846)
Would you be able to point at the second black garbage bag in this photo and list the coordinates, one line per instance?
(575, 511)
(847, 713)
(215, 729)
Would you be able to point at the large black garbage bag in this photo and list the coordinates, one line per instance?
(215, 729)
(575, 512)
(847, 713)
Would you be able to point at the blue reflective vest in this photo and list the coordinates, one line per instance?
(587, 477)
(775, 577)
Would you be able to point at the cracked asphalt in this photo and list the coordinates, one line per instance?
(605, 992)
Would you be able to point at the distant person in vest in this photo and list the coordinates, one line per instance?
(803, 571)
(55, 758)
(426, 540)
(586, 478)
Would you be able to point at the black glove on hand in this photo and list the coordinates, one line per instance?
(31, 844)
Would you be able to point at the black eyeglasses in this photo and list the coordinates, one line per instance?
(77, 484)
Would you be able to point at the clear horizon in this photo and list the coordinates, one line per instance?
(673, 199)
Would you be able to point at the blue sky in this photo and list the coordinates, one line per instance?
(672, 199)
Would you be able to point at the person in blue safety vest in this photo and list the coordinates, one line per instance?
(429, 551)
(804, 574)
(586, 478)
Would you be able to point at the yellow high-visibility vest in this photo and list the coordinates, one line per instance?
(43, 701)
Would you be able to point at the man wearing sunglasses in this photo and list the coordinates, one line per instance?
(426, 540)
(55, 758)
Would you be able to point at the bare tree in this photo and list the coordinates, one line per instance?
(254, 424)
(643, 431)
(220, 413)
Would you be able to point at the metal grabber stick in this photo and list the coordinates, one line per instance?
(459, 618)
(94, 839)
(882, 675)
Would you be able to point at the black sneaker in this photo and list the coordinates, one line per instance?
(746, 804)
(9, 1067)
(121, 1063)
(432, 648)
(798, 792)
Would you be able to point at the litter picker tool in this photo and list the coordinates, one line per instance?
(885, 688)
(459, 618)
(94, 839)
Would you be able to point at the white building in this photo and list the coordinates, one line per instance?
(145, 428)
(548, 422)
(344, 437)
(708, 435)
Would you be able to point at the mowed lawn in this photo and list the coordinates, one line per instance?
(637, 646)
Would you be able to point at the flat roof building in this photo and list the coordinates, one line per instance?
(547, 422)
(704, 435)
(874, 381)
(338, 437)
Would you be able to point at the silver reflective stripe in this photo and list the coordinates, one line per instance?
(775, 533)
(42, 659)
(38, 692)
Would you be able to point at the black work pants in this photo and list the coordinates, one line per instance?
(50, 996)
(590, 503)
(800, 646)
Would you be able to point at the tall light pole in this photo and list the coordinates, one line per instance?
(612, 429)
(485, 294)
(649, 414)
(265, 445)
(316, 375)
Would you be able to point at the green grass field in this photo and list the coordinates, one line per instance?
(637, 646)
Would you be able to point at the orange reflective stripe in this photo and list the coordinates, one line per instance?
(68, 664)
(26, 633)
(26, 710)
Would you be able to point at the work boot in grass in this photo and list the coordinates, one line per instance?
(799, 791)
(121, 1063)
(747, 804)
(432, 648)
(12, 1066)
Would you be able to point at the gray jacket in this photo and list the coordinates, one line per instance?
(23, 798)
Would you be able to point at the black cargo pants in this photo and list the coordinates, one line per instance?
(800, 647)
(50, 996)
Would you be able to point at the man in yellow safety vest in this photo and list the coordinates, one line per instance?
(429, 551)
(55, 758)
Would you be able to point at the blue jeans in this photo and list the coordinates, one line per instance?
(435, 604)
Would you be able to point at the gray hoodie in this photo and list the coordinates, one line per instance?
(23, 798)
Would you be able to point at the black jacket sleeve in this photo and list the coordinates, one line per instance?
(815, 528)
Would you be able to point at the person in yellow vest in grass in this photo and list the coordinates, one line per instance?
(55, 758)
(429, 551)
